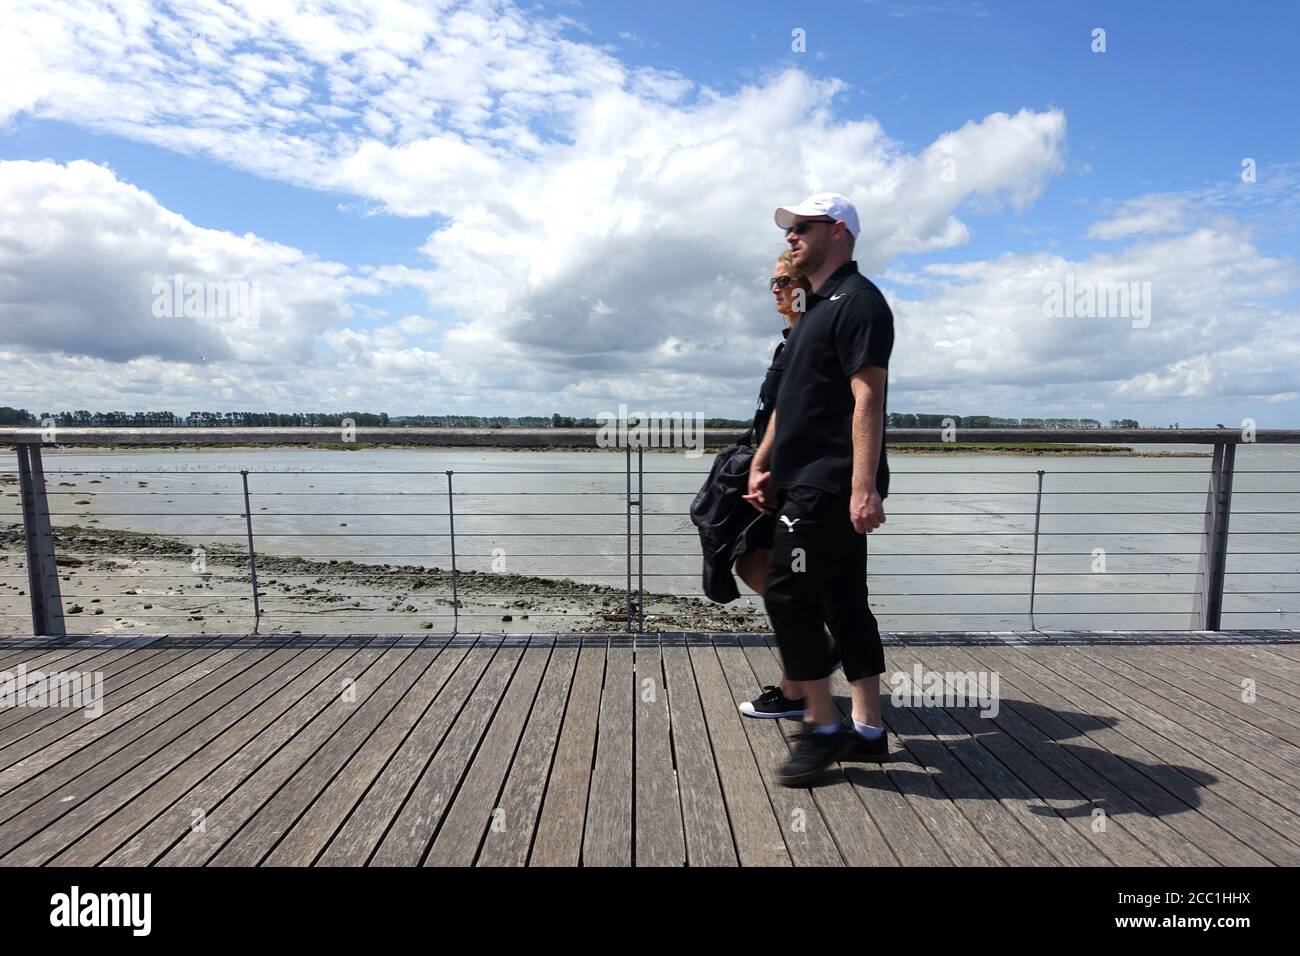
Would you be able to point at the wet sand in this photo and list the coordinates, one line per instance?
(122, 582)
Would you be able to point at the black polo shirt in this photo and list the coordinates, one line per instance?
(847, 325)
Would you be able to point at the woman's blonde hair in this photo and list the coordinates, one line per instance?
(786, 258)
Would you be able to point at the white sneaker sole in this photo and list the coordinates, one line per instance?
(747, 708)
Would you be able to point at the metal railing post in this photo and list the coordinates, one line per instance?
(640, 542)
(1033, 568)
(455, 574)
(1199, 591)
(628, 498)
(42, 569)
(1207, 608)
(252, 554)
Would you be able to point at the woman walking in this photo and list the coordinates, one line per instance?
(789, 291)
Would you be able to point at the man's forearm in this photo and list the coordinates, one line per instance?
(868, 433)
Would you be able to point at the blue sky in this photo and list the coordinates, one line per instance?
(487, 208)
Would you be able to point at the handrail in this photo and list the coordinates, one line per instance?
(591, 437)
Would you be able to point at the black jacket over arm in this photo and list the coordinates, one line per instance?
(724, 518)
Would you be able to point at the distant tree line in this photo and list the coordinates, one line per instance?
(81, 418)
(470, 421)
(87, 419)
(916, 420)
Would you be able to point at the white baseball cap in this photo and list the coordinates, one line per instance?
(820, 204)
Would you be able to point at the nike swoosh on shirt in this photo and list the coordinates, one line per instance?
(840, 296)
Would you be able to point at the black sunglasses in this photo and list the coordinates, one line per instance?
(779, 282)
(799, 228)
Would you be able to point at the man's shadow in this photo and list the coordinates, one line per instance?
(1029, 732)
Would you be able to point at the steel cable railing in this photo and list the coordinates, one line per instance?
(452, 536)
(251, 557)
(887, 567)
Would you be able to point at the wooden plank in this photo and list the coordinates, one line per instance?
(1261, 724)
(558, 841)
(755, 829)
(1284, 650)
(20, 722)
(1153, 733)
(607, 836)
(1003, 769)
(1225, 668)
(263, 831)
(226, 818)
(48, 767)
(85, 770)
(855, 832)
(1262, 656)
(1261, 812)
(704, 812)
(1002, 831)
(1129, 801)
(106, 662)
(13, 655)
(805, 831)
(475, 809)
(133, 775)
(1059, 779)
(521, 799)
(1093, 726)
(194, 810)
(901, 821)
(408, 839)
(153, 799)
(1227, 663)
(312, 832)
(658, 839)
(357, 839)
(1177, 716)
(42, 801)
(51, 655)
(27, 757)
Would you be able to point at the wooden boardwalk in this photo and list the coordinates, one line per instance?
(1107, 748)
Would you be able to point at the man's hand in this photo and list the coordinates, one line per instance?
(758, 496)
(866, 511)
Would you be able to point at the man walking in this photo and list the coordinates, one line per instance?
(825, 474)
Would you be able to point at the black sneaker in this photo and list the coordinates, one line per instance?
(772, 704)
(812, 754)
(860, 748)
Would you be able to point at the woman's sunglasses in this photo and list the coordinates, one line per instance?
(779, 282)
